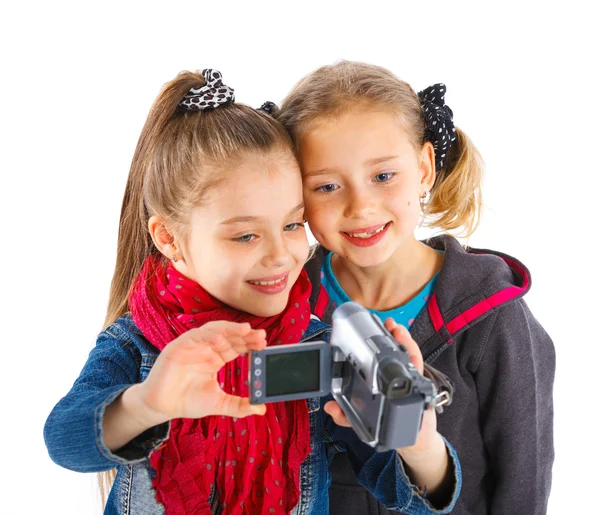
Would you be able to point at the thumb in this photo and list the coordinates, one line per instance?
(334, 410)
(235, 406)
(403, 337)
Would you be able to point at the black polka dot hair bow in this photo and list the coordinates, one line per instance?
(269, 107)
(439, 127)
(210, 96)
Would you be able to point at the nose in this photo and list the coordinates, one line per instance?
(277, 254)
(359, 204)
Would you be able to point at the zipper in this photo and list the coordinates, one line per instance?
(433, 355)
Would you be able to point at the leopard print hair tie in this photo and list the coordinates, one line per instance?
(210, 96)
(439, 126)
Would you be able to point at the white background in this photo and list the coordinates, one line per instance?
(78, 80)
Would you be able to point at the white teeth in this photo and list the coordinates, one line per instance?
(365, 235)
(267, 283)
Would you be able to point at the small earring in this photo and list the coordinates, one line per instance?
(424, 198)
(174, 258)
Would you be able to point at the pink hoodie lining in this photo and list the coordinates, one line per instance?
(481, 307)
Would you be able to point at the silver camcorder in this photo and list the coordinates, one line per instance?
(368, 373)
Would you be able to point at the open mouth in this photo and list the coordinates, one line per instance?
(367, 236)
(270, 285)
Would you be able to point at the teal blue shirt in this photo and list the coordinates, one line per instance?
(404, 314)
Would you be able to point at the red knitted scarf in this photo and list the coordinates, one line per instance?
(253, 462)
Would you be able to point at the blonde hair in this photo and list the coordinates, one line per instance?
(455, 202)
(179, 156)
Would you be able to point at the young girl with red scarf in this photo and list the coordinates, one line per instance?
(209, 267)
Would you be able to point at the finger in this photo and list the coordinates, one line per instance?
(390, 324)
(243, 346)
(222, 346)
(333, 409)
(253, 340)
(403, 337)
(256, 339)
(223, 327)
(210, 338)
(235, 406)
(242, 336)
(228, 328)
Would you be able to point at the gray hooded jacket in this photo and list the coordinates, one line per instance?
(478, 331)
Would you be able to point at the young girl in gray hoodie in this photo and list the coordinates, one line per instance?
(376, 158)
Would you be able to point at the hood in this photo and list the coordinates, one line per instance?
(471, 285)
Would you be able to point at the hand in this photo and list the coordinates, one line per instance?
(426, 462)
(428, 436)
(183, 381)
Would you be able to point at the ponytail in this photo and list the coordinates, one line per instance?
(134, 241)
(455, 202)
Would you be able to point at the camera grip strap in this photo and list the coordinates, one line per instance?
(443, 387)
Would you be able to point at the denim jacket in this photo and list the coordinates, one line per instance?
(123, 357)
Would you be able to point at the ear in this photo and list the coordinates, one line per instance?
(163, 238)
(427, 166)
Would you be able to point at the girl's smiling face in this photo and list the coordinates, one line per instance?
(247, 243)
(362, 180)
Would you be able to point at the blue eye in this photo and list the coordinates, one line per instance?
(294, 226)
(246, 238)
(384, 177)
(327, 188)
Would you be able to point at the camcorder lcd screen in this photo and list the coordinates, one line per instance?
(292, 372)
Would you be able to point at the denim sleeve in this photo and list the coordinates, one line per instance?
(383, 474)
(73, 430)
